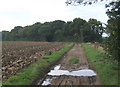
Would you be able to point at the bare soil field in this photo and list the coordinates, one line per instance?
(63, 79)
(17, 55)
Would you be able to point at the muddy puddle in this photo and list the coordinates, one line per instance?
(47, 81)
(56, 72)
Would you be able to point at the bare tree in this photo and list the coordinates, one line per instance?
(84, 2)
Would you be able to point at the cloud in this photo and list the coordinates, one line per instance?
(26, 12)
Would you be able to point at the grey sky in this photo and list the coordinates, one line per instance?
(27, 12)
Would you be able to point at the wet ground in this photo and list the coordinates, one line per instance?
(66, 73)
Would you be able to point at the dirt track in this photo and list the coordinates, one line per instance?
(76, 52)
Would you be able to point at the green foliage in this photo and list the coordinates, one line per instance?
(37, 69)
(73, 60)
(113, 29)
(93, 31)
(77, 30)
(106, 68)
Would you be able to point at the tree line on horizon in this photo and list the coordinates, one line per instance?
(77, 30)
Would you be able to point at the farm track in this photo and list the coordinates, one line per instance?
(17, 55)
(76, 52)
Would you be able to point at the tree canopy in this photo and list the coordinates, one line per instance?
(113, 28)
(77, 30)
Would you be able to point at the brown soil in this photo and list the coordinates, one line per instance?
(18, 55)
(76, 52)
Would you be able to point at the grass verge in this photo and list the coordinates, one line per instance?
(106, 68)
(74, 60)
(37, 69)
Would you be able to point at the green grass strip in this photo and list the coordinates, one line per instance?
(73, 60)
(106, 68)
(37, 69)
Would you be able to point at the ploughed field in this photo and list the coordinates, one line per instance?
(17, 55)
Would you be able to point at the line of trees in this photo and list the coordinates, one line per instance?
(77, 30)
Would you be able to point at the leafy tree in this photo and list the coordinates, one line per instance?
(89, 35)
(113, 28)
(57, 30)
(15, 33)
(77, 30)
(96, 29)
(78, 24)
(45, 32)
(6, 36)
(58, 35)
(33, 32)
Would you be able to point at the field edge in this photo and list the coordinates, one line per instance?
(39, 68)
(105, 67)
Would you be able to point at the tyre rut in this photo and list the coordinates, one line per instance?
(76, 52)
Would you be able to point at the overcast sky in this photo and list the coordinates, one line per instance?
(27, 12)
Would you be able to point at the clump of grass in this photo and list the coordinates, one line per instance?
(37, 69)
(73, 60)
(0, 84)
(104, 67)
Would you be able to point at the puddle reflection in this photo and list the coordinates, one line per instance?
(84, 72)
(56, 73)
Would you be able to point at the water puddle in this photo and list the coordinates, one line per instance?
(47, 81)
(84, 72)
(57, 67)
(57, 72)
